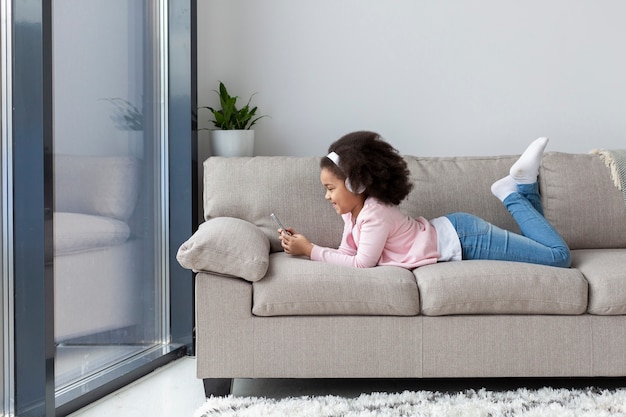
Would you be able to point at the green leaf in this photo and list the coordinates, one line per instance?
(229, 117)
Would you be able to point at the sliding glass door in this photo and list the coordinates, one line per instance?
(110, 196)
(108, 298)
(97, 186)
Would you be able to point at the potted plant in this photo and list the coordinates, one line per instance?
(233, 136)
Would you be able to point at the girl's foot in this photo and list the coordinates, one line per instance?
(526, 169)
(504, 187)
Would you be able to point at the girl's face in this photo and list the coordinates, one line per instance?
(338, 195)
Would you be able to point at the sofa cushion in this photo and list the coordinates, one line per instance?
(496, 287)
(227, 246)
(75, 233)
(252, 188)
(581, 201)
(605, 270)
(444, 185)
(298, 286)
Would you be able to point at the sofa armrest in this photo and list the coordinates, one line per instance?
(227, 246)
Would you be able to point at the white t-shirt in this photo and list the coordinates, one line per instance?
(448, 244)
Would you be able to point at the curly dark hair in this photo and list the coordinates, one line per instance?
(370, 162)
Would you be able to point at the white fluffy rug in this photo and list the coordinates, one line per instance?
(545, 402)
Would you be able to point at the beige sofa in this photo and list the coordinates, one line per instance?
(263, 314)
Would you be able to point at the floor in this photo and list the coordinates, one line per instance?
(174, 390)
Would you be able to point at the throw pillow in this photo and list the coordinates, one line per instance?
(228, 246)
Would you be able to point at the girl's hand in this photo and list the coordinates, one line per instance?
(296, 244)
(289, 229)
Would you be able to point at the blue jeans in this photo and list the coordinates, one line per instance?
(539, 242)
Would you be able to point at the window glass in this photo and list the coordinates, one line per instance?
(108, 207)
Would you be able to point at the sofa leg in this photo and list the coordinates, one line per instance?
(217, 387)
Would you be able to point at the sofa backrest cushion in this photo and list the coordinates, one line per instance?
(105, 186)
(577, 192)
(446, 185)
(581, 201)
(251, 188)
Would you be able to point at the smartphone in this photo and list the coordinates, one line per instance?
(280, 225)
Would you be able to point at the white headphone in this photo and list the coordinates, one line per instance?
(335, 158)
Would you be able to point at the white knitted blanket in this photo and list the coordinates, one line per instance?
(615, 160)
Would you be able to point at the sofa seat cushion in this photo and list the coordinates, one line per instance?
(75, 232)
(605, 270)
(297, 286)
(497, 287)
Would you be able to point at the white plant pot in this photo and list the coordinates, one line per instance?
(232, 142)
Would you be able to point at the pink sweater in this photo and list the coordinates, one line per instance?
(382, 235)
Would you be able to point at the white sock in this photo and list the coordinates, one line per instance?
(504, 187)
(526, 169)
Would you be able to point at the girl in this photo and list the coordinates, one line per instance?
(366, 179)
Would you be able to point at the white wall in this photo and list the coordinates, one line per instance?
(435, 77)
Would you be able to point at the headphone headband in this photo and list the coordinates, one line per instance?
(335, 158)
